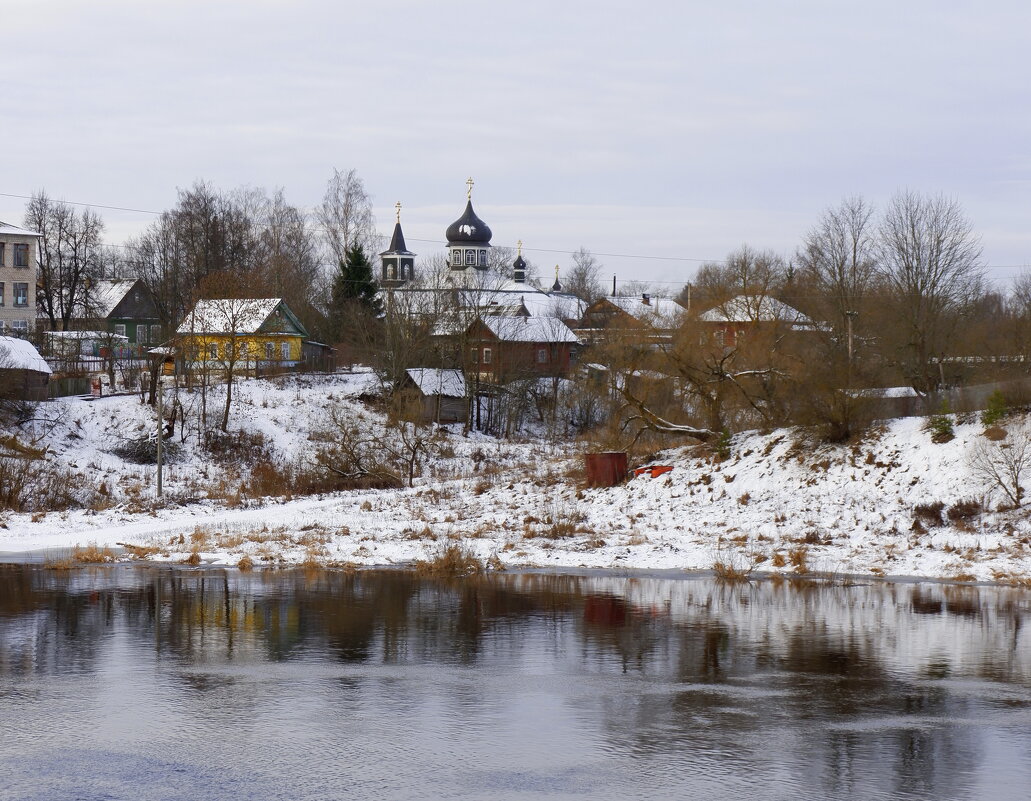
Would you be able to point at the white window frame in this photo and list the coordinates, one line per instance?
(20, 326)
(270, 352)
(483, 258)
(284, 351)
(155, 333)
(488, 356)
(120, 329)
(542, 355)
(24, 304)
(470, 258)
(212, 352)
(20, 248)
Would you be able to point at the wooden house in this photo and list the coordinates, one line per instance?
(242, 333)
(126, 308)
(728, 322)
(502, 349)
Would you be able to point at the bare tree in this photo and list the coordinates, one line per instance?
(69, 257)
(930, 261)
(838, 259)
(346, 216)
(1003, 465)
(746, 271)
(583, 280)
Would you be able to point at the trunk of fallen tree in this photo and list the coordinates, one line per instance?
(647, 420)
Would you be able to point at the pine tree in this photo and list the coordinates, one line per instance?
(355, 294)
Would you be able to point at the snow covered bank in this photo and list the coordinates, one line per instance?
(779, 503)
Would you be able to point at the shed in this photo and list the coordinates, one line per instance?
(442, 394)
(24, 374)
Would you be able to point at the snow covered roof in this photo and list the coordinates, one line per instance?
(511, 294)
(19, 354)
(232, 316)
(108, 294)
(14, 230)
(101, 335)
(663, 308)
(434, 381)
(529, 329)
(755, 309)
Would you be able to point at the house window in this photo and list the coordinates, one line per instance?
(486, 355)
(120, 329)
(470, 258)
(21, 255)
(155, 333)
(227, 351)
(542, 355)
(243, 350)
(21, 294)
(212, 352)
(270, 351)
(141, 334)
(284, 349)
(1, 326)
(3, 254)
(719, 338)
(474, 355)
(483, 258)
(1, 293)
(20, 326)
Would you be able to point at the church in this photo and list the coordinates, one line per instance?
(469, 275)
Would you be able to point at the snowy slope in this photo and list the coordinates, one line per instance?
(780, 502)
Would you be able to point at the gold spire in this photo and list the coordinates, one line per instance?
(556, 272)
(398, 207)
(469, 193)
(519, 246)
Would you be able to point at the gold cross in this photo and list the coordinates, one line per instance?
(469, 183)
(398, 207)
(519, 245)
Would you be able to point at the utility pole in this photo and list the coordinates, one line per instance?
(850, 315)
(161, 426)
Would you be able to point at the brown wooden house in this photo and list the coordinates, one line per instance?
(503, 349)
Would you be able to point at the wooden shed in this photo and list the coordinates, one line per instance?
(441, 394)
(24, 374)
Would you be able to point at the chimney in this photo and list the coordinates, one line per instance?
(646, 299)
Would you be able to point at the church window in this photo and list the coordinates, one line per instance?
(470, 258)
(391, 272)
(483, 258)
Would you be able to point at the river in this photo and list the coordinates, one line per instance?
(144, 682)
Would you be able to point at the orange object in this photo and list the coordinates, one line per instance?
(654, 470)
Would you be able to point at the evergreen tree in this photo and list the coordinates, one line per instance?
(355, 294)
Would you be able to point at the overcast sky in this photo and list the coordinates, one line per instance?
(678, 130)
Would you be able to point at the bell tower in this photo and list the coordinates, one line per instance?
(398, 263)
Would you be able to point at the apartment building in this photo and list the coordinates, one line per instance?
(17, 280)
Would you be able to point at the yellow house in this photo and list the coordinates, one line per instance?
(241, 334)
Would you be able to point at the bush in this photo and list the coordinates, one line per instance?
(961, 510)
(722, 445)
(144, 450)
(995, 410)
(930, 512)
(940, 425)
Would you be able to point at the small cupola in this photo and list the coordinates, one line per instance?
(519, 265)
(398, 263)
(557, 286)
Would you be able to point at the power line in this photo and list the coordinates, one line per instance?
(308, 216)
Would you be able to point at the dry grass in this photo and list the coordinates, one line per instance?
(246, 564)
(92, 555)
(799, 558)
(451, 561)
(729, 572)
(139, 551)
(779, 560)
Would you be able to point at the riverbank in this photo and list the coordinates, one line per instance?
(892, 504)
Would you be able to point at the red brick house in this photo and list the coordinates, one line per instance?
(502, 349)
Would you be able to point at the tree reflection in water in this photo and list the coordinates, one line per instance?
(845, 689)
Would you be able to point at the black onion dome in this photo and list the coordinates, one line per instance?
(468, 229)
(519, 264)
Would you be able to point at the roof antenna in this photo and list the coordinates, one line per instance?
(613, 285)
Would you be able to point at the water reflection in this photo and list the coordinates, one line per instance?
(214, 682)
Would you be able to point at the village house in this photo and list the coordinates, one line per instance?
(125, 308)
(242, 333)
(647, 318)
(24, 374)
(502, 349)
(727, 323)
(17, 279)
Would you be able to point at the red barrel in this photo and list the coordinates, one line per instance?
(606, 469)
